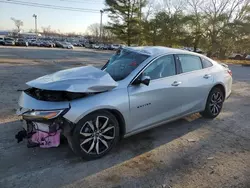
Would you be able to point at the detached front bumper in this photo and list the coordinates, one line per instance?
(42, 121)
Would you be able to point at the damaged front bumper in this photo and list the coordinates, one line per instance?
(43, 121)
(43, 134)
(26, 102)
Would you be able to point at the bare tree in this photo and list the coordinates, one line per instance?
(31, 30)
(18, 24)
(46, 30)
(94, 30)
(195, 21)
(149, 9)
(173, 6)
(218, 15)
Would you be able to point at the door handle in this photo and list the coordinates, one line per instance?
(206, 76)
(175, 83)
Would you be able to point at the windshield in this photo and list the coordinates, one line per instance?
(123, 63)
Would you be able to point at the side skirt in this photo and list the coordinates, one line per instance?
(157, 124)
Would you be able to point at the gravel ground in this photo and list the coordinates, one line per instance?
(191, 152)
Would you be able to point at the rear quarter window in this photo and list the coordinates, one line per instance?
(206, 63)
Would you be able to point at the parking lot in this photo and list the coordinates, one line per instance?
(191, 152)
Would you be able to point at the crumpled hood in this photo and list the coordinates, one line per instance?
(81, 79)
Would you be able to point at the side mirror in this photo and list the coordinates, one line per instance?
(145, 80)
(142, 80)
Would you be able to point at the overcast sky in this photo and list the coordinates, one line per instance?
(65, 21)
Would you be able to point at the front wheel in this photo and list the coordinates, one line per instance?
(214, 103)
(95, 135)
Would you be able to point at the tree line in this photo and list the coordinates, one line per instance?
(219, 27)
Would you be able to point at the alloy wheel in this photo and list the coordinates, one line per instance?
(216, 103)
(96, 136)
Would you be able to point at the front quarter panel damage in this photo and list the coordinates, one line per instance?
(116, 99)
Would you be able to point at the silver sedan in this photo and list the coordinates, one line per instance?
(137, 89)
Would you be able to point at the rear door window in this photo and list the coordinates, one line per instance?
(189, 63)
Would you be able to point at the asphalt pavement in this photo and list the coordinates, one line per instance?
(191, 152)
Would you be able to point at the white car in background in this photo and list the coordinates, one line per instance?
(67, 45)
(96, 46)
(115, 46)
(236, 56)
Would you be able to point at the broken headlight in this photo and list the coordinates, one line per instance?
(41, 114)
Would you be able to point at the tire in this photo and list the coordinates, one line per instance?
(214, 103)
(91, 143)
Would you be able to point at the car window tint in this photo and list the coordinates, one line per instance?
(189, 63)
(123, 63)
(206, 63)
(160, 68)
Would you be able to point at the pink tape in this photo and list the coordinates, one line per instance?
(46, 140)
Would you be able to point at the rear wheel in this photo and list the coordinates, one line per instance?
(214, 103)
(95, 135)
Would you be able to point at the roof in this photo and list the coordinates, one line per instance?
(158, 50)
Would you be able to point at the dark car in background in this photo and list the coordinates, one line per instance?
(39, 43)
(9, 41)
(103, 46)
(47, 44)
(77, 44)
(1, 41)
(52, 43)
(87, 45)
(236, 56)
(32, 42)
(58, 44)
(21, 42)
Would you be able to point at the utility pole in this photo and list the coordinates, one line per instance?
(101, 11)
(35, 16)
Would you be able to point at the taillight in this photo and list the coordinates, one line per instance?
(230, 72)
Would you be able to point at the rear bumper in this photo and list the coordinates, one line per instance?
(228, 95)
